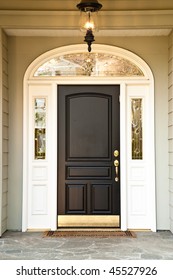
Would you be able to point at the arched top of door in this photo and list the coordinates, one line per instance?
(104, 61)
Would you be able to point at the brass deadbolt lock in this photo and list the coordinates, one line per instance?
(116, 153)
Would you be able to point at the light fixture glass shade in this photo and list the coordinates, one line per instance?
(89, 21)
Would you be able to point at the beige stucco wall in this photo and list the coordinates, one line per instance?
(23, 50)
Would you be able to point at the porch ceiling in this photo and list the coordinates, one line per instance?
(69, 5)
(61, 18)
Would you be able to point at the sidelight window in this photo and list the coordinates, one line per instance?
(40, 128)
(136, 128)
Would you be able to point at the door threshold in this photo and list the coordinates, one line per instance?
(89, 229)
(89, 221)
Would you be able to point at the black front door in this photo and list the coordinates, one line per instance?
(89, 133)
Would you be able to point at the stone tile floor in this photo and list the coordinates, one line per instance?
(32, 246)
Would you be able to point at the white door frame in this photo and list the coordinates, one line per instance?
(129, 88)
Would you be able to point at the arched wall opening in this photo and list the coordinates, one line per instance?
(137, 174)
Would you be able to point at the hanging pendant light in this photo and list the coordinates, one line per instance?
(89, 19)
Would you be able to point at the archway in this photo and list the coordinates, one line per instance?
(137, 167)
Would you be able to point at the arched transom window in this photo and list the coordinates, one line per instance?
(84, 64)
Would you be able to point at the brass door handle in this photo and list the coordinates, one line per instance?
(116, 164)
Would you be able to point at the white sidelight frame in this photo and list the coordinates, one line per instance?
(134, 174)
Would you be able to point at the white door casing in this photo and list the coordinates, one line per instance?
(137, 176)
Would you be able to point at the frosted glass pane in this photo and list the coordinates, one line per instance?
(136, 127)
(40, 128)
(93, 64)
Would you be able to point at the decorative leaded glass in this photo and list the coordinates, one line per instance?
(136, 127)
(92, 64)
(40, 128)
